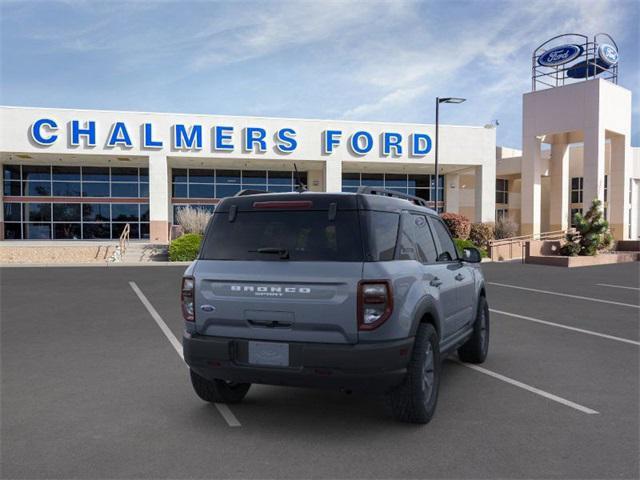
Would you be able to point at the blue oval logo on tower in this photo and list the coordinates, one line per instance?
(560, 55)
(608, 54)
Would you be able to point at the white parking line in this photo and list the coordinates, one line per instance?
(566, 327)
(616, 286)
(224, 410)
(531, 389)
(565, 295)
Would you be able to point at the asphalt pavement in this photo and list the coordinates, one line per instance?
(92, 387)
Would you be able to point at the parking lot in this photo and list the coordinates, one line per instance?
(94, 387)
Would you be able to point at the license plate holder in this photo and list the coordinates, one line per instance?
(272, 354)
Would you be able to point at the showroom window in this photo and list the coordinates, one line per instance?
(74, 221)
(220, 183)
(201, 188)
(96, 203)
(422, 186)
(63, 181)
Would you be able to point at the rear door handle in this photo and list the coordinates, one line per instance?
(435, 282)
(459, 277)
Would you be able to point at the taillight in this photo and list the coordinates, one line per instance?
(375, 303)
(186, 298)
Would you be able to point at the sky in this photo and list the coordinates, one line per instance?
(345, 60)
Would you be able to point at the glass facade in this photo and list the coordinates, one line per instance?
(422, 186)
(77, 202)
(74, 221)
(200, 188)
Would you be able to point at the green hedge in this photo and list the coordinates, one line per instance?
(185, 248)
(462, 244)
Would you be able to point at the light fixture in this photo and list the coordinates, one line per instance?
(451, 100)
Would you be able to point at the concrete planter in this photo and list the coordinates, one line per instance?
(587, 261)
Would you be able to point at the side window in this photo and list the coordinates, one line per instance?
(407, 241)
(424, 240)
(383, 234)
(446, 248)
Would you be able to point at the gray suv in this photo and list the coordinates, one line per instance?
(355, 291)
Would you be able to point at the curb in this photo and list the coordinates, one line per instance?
(93, 265)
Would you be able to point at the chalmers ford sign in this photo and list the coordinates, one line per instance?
(220, 138)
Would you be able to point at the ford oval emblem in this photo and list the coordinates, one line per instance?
(608, 54)
(560, 55)
(208, 308)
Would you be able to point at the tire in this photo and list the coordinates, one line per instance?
(476, 348)
(218, 391)
(415, 400)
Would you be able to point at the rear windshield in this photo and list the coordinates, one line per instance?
(284, 236)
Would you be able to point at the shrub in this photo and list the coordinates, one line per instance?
(185, 248)
(458, 225)
(591, 235)
(462, 244)
(193, 220)
(505, 228)
(482, 233)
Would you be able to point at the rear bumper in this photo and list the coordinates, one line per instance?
(360, 367)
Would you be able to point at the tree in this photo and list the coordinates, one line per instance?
(591, 235)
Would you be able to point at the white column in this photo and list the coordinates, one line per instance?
(619, 186)
(593, 166)
(314, 180)
(158, 198)
(332, 175)
(452, 195)
(485, 191)
(531, 172)
(559, 204)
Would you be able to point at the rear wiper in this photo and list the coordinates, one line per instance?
(283, 252)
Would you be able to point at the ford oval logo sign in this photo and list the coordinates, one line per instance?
(560, 55)
(608, 54)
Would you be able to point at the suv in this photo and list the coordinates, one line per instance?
(354, 291)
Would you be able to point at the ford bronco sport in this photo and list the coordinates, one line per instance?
(354, 291)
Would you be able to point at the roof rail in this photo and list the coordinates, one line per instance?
(392, 193)
(248, 191)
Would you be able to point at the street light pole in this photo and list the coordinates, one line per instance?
(438, 102)
(436, 149)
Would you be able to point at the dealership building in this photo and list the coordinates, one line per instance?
(85, 174)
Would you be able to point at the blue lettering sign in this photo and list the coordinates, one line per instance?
(89, 131)
(221, 137)
(331, 140)
(37, 134)
(286, 142)
(357, 146)
(119, 136)
(147, 138)
(255, 136)
(187, 139)
(392, 140)
(421, 144)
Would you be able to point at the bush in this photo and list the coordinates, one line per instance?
(505, 228)
(591, 235)
(193, 220)
(458, 225)
(185, 248)
(482, 233)
(462, 244)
